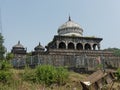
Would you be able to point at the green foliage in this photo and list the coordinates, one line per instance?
(5, 73)
(29, 74)
(9, 56)
(116, 51)
(46, 74)
(99, 66)
(62, 75)
(49, 74)
(5, 76)
(5, 65)
(118, 73)
(2, 48)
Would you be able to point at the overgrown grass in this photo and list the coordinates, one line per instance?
(5, 73)
(118, 74)
(45, 74)
(43, 78)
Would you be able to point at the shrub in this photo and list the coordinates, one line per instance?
(5, 73)
(5, 76)
(29, 74)
(5, 65)
(45, 74)
(118, 73)
(62, 75)
(48, 74)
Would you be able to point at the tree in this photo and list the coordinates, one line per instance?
(2, 48)
(116, 51)
(9, 56)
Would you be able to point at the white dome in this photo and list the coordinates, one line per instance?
(70, 28)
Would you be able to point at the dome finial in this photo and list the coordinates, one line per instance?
(19, 42)
(39, 44)
(69, 18)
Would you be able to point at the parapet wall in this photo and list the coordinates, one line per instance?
(78, 61)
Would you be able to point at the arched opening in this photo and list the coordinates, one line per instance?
(94, 46)
(87, 47)
(53, 46)
(62, 45)
(71, 46)
(79, 46)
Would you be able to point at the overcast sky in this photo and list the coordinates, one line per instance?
(34, 21)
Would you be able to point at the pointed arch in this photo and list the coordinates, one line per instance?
(87, 46)
(62, 45)
(79, 46)
(71, 45)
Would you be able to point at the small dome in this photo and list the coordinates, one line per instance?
(39, 47)
(18, 49)
(18, 45)
(70, 28)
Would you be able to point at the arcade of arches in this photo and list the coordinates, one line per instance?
(78, 46)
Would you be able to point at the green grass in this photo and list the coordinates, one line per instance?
(18, 84)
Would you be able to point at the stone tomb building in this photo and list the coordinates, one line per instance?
(69, 48)
(18, 50)
(70, 37)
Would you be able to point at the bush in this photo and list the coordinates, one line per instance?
(49, 74)
(29, 74)
(5, 65)
(118, 74)
(5, 73)
(5, 76)
(45, 74)
(62, 75)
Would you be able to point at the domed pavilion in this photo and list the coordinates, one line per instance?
(18, 50)
(70, 37)
(39, 49)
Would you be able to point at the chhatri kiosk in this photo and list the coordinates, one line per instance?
(70, 38)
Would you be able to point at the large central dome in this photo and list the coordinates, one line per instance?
(70, 28)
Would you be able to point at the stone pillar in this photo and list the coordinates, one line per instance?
(75, 46)
(98, 46)
(83, 46)
(57, 44)
(91, 46)
(66, 45)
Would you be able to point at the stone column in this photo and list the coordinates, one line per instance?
(57, 44)
(75, 46)
(66, 43)
(83, 46)
(91, 46)
(98, 46)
